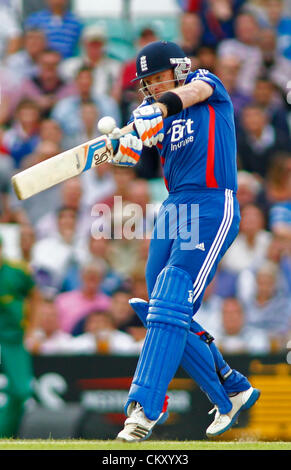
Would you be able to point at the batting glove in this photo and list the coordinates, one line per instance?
(148, 121)
(129, 151)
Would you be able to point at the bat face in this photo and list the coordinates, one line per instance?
(61, 167)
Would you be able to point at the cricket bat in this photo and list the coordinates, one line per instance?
(66, 165)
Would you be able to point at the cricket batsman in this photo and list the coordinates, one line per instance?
(188, 116)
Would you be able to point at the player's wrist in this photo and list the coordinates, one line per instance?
(163, 108)
(170, 104)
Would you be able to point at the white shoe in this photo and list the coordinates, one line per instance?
(138, 427)
(241, 401)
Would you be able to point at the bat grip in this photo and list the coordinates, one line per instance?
(115, 142)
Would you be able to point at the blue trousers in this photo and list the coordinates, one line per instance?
(210, 219)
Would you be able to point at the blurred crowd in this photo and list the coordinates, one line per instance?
(56, 81)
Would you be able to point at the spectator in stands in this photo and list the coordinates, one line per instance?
(71, 196)
(267, 97)
(98, 250)
(218, 18)
(76, 304)
(245, 47)
(24, 63)
(190, 5)
(46, 87)
(6, 171)
(105, 69)
(280, 212)
(27, 241)
(45, 149)
(22, 138)
(206, 58)
(258, 140)
(123, 252)
(124, 317)
(101, 336)
(144, 246)
(47, 337)
(122, 179)
(60, 26)
(269, 309)
(53, 254)
(109, 338)
(250, 247)
(280, 216)
(123, 255)
(137, 278)
(89, 116)
(191, 30)
(228, 69)
(121, 310)
(237, 337)
(225, 282)
(275, 66)
(67, 112)
(50, 131)
(95, 250)
(248, 188)
(274, 17)
(98, 184)
(33, 208)
(8, 84)
(139, 201)
(273, 187)
(279, 252)
(10, 33)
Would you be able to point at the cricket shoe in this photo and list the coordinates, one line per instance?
(137, 427)
(241, 401)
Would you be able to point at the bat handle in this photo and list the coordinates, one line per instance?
(115, 142)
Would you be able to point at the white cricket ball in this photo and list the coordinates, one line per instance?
(106, 125)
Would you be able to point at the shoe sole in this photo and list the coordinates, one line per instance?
(162, 419)
(249, 403)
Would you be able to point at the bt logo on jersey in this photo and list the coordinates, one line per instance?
(181, 129)
(179, 126)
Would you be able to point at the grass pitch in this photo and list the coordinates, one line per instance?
(95, 445)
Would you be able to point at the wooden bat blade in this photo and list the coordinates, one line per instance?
(61, 167)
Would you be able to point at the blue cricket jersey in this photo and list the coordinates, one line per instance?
(199, 147)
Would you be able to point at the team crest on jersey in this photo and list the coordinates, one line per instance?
(143, 63)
